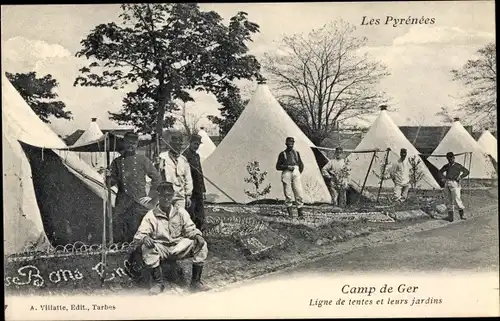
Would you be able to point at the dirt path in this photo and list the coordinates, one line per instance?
(432, 245)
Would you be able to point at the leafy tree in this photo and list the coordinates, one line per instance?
(480, 77)
(39, 94)
(257, 179)
(166, 50)
(324, 79)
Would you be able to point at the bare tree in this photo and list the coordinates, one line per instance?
(446, 114)
(324, 79)
(480, 76)
(189, 121)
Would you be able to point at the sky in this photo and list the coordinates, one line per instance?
(45, 38)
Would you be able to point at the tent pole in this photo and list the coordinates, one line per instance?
(468, 178)
(366, 176)
(383, 173)
(109, 205)
(103, 255)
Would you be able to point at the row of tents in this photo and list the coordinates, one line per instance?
(53, 191)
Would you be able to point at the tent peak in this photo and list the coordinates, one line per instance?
(456, 119)
(93, 119)
(383, 107)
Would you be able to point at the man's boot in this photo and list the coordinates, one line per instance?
(450, 216)
(158, 279)
(300, 212)
(196, 285)
(461, 213)
(290, 211)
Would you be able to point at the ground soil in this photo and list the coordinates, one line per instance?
(228, 264)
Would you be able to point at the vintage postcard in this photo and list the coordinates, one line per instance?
(250, 160)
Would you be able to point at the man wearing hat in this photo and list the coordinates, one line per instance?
(175, 169)
(196, 210)
(291, 166)
(128, 172)
(455, 172)
(400, 175)
(337, 175)
(168, 233)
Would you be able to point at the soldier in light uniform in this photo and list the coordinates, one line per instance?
(334, 171)
(175, 169)
(400, 175)
(128, 172)
(291, 166)
(168, 233)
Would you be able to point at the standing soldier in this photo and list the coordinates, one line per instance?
(454, 174)
(129, 172)
(291, 166)
(337, 175)
(400, 175)
(175, 169)
(196, 210)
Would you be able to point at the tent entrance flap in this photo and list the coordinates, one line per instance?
(66, 218)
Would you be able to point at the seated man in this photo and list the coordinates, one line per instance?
(168, 233)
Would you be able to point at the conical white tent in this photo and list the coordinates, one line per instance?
(38, 180)
(458, 140)
(488, 143)
(259, 135)
(96, 159)
(384, 134)
(207, 146)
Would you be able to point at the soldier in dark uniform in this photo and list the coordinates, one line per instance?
(196, 210)
(128, 172)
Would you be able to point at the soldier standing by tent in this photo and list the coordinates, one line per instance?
(337, 175)
(291, 166)
(129, 172)
(167, 233)
(175, 169)
(454, 174)
(400, 175)
(196, 210)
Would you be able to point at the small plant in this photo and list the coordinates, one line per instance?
(256, 179)
(384, 167)
(311, 189)
(416, 175)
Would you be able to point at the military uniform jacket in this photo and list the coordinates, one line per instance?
(196, 172)
(130, 172)
(177, 172)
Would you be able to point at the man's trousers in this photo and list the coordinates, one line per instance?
(182, 250)
(292, 187)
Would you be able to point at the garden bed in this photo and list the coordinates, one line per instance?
(234, 253)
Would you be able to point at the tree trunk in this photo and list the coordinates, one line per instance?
(164, 92)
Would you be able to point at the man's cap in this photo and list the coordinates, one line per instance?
(165, 187)
(131, 136)
(177, 138)
(339, 149)
(195, 138)
(290, 139)
(403, 150)
(450, 154)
